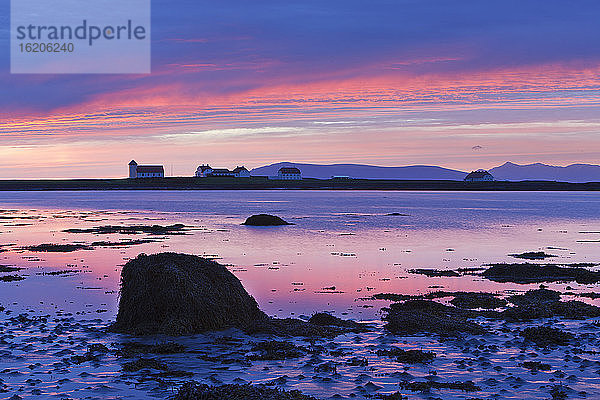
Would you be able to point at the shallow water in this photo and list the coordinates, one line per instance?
(345, 240)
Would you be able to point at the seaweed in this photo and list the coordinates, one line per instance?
(196, 391)
(6, 268)
(471, 300)
(434, 272)
(275, 350)
(175, 229)
(530, 273)
(422, 316)
(544, 303)
(391, 396)
(536, 366)
(144, 363)
(57, 248)
(558, 392)
(130, 349)
(533, 255)
(11, 278)
(408, 356)
(325, 319)
(467, 386)
(545, 336)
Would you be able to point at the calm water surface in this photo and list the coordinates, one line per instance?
(343, 239)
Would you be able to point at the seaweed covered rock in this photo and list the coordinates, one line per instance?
(544, 303)
(545, 336)
(325, 319)
(535, 297)
(422, 316)
(528, 273)
(195, 391)
(265, 220)
(472, 300)
(407, 356)
(177, 294)
(533, 255)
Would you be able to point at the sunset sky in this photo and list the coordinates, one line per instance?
(460, 84)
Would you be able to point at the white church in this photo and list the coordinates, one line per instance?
(145, 171)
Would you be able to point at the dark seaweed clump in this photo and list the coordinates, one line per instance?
(122, 243)
(544, 303)
(533, 255)
(176, 229)
(195, 391)
(58, 248)
(467, 386)
(422, 316)
(11, 278)
(265, 220)
(325, 319)
(433, 272)
(144, 363)
(471, 300)
(545, 336)
(462, 299)
(131, 349)
(536, 366)
(293, 327)
(529, 273)
(276, 350)
(391, 396)
(6, 268)
(407, 356)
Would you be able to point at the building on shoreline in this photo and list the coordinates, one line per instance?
(481, 175)
(145, 171)
(289, 173)
(205, 171)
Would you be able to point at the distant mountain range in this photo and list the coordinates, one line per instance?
(542, 172)
(413, 172)
(507, 171)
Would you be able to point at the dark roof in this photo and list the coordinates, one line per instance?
(151, 169)
(203, 167)
(132, 162)
(238, 169)
(289, 170)
(478, 174)
(221, 170)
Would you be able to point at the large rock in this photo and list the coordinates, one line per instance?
(177, 294)
(265, 220)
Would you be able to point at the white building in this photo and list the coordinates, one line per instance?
(481, 175)
(241, 172)
(289, 173)
(204, 171)
(145, 171)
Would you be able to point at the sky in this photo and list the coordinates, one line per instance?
(460, 84)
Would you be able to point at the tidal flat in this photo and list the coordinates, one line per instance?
(410, 265)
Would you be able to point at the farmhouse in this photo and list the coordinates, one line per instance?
(480, 175)
(289, 173)
(204, 171)
(145, 171)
